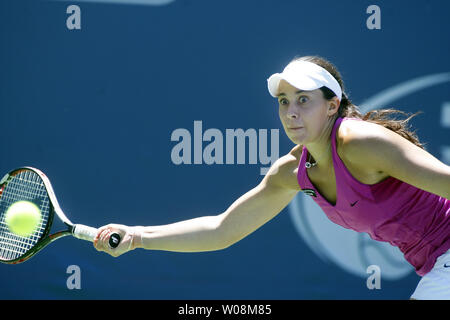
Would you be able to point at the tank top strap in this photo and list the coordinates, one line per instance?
(301, 174)
(339, 165)
(336, 160)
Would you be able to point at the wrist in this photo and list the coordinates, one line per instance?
(136, 240)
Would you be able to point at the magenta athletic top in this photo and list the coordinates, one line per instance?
(414, 220)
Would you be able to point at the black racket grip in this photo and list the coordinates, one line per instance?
(114, 240)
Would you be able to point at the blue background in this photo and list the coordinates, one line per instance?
(95, 108)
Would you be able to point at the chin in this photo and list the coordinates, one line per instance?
(296, 140)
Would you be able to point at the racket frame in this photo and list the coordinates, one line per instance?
(54, 207)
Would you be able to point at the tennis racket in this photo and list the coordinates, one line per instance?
(32, 185)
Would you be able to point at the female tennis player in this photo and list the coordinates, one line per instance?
(367, 172)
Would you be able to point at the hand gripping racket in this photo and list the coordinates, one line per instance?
(32, 185)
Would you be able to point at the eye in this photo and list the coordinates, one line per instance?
(283, 101)
(303, 99)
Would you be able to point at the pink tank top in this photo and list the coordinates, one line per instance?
(415, 221)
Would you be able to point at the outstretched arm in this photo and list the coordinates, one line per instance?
(208, 233)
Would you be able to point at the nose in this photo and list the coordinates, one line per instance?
(292, 112)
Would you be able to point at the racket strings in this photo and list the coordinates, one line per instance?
(25, 185)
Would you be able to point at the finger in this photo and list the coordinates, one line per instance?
(99, 232)
(101, 240)
(104, 236)
(97, 242)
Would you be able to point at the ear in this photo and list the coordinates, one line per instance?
(333, 106)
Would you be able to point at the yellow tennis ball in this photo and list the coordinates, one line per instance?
(22, 218)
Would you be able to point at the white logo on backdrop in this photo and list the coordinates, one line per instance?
(350, 250)
(128, 2)
(220, 147)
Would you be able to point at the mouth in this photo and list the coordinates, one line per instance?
(294, 128)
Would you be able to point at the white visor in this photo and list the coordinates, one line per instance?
(304, 75)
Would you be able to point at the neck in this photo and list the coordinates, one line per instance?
(320, 150)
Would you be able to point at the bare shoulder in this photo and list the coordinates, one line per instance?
(366, 148)
(283, 172)
(353, 130)
(355, 139)
(375, 152)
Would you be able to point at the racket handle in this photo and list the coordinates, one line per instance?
(87, 233)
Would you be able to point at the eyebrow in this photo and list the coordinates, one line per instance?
(300, 91)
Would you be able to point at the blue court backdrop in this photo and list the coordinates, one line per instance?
(97, 108)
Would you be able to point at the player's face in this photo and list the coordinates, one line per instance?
(304, 114)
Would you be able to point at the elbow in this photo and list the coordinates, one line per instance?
(225, 244)
(224, 238)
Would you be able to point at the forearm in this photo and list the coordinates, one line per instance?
(194, 235)
(209, 233)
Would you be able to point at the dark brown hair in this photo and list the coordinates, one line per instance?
(384, 117)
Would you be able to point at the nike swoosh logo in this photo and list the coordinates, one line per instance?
(352, 204)
(447, 265)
